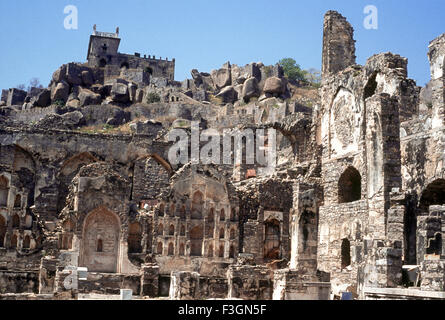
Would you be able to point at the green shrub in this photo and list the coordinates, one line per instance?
(153, 97)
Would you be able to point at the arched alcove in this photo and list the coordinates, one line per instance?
(181, 249)
(159, 248)
(16, 221)
(272, 240)
(171, 230)
(135, 238)
(345, 253)
(4, 190)
(349, 186)
(196, 236)
(171, 249)
(27, 242)
(434, 194)
(197, 205)
(100, 241)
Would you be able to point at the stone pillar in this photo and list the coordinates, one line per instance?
(47, 275)
(149, 280)
(184, 285)
(383, 158)
(432, 273)
(338, 44)
(383, 268)
(428, 227)
(436, 56)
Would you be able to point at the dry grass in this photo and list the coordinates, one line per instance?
(108, 129)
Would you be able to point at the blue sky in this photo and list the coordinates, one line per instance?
(204, 34)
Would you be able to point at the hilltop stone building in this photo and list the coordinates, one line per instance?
(89, 202)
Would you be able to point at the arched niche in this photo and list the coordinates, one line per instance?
(135, 238)
(101, 241)
(272, 240)
(349, 186)
(197, 205)
(196, 236)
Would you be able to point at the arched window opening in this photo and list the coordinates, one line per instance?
(15, 221)
(210, 251)
(100, 246)
(171, 250)
(161, 229)
(161, 210)
(182, 250)
(172, 210)
(232, 252)
(221, 233)
(434, 194)
(182, 212)
(160, 247)
(221, 251)
(14, 241)
(197, 205)
(211, 215)
(232, 234)
(171, 230)
(135, 238)
(233, 215)
(4, 190)
(349, 186)
(272, 242)
(222, 216)
(196, 236)
(308, 233)
(26, 242)
(182, 231)
(18, 201)
(345, 253)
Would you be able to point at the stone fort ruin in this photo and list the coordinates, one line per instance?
(90, 204)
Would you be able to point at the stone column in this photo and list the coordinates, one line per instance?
(383, 158)
(149, 280)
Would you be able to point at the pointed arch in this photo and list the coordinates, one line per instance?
(349, 186)
(100, 241)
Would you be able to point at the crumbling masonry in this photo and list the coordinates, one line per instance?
(90, 204)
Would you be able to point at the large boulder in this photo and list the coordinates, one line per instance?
(43, 99)
(88, 97)
(119, 92)
(222, 77)
(87, 78)
(74, 74)
(228, 95)
(60, 91)
(250, 89)
(60, 74)
(274, 86)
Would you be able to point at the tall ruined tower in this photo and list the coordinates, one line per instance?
(338, 44)
(436, 56)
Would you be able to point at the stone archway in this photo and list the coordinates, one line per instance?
(100, 241)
